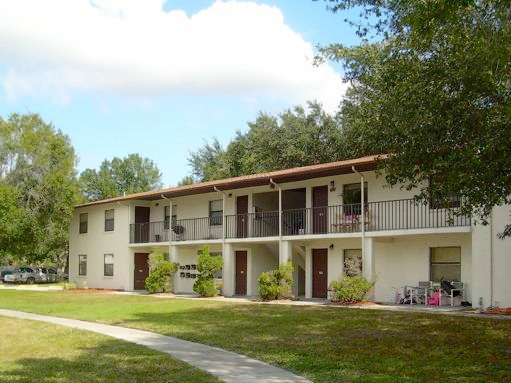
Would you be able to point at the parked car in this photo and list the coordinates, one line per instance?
(32, 275)
(5, 272)
(44, 274)
(21, 275)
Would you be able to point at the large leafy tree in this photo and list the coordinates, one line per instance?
(120, 176)
(432, 88)
(296, 137)
(38, 188)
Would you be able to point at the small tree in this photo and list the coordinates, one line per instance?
(276, 284)
(208, 266)
(161, 272)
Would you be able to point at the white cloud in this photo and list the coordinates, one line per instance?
(132, 47)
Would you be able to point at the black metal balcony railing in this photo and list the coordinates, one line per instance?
(193, 229)
(321, 220)
(406, 214)
(411, 214)
(252, 225)
(148, 232)
(378, 216)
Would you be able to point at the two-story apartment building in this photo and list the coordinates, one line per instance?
(316, 217)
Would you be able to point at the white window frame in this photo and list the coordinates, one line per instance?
(105, 265)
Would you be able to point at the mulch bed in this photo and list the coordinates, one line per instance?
(363, 303)
(506, 311)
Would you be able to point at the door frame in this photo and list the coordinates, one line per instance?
(246, 272)
(321, 251)
(319, 213)
(241, 218)
(142, 231)
(135, 268)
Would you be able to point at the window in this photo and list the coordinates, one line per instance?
(216, 212)
(82, 265)
(442, 199)
(84, 219)
(450, 202)
(352, 262)
(445, 264)
(109, 265)
(166, 216)
(109, 220)
(352, 198)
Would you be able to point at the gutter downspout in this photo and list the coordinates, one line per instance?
(280, 216)
(362, 208)
(224, 227)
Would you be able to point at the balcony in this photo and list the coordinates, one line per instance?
(192, 229)
(196, 229)
(406, 214)
(149, 232)
(252, 225)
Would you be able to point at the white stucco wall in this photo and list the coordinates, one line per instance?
(492, 261)
(262, 259)
(501, 264)
(405, 260)
(96, 242)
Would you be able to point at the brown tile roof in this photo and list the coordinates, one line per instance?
(279, 176)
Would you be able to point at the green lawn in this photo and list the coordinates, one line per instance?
(326, 344)
(41, 352)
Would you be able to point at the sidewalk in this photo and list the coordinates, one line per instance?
(225, 365)
(38, 287)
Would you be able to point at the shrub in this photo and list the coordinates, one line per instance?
(68, 285)
(161, 272)
(208, 266)
(268, 289)
(276, 284)
(350, 289)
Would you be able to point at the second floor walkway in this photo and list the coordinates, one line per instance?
(405, 214)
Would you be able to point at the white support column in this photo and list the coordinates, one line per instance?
(368, 262)
(228, 272)
(308, 209)
(173, 257)
(308, 272)
(286, 252)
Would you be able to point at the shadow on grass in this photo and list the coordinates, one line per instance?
(334, 345)
(106, 361)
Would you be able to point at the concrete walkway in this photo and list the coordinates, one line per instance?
(225, 365)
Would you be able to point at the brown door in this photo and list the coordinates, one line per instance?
(241, 216)
(319, 272)
(141, 270)
(319, 211)
(241, 273)
(142, 214)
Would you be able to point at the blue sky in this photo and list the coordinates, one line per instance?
(129, 76)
